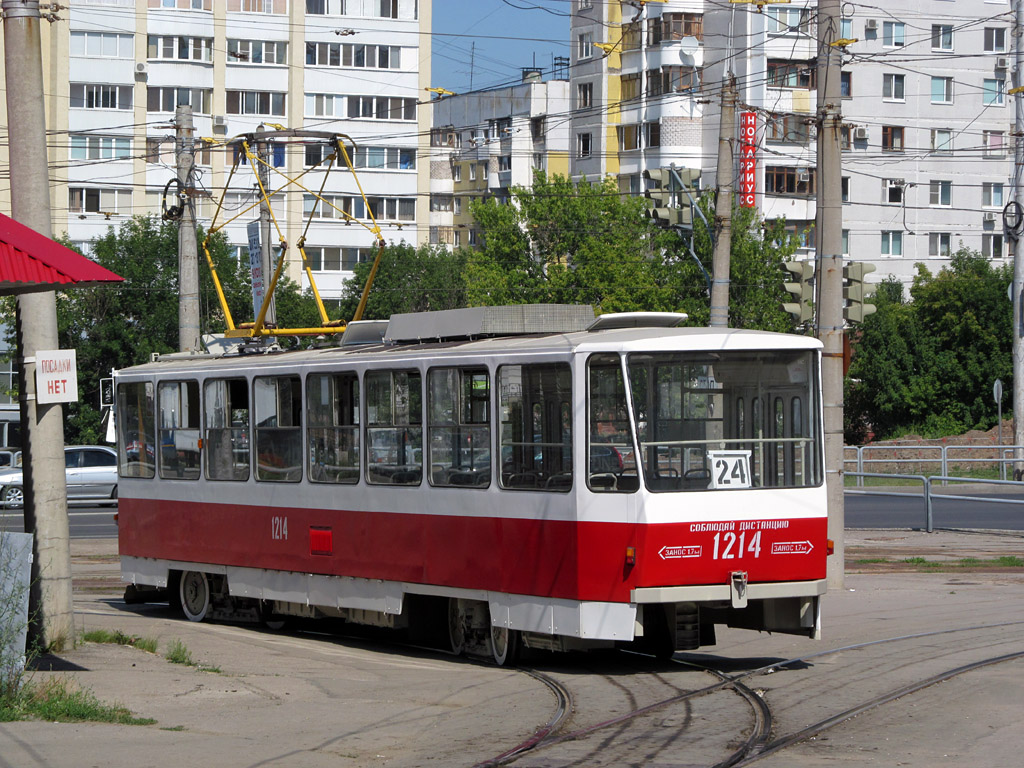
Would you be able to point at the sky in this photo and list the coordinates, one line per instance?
(508, 36)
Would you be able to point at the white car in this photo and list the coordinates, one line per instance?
(90, 472)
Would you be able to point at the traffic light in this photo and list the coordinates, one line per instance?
(855, 291)
(801, 290)
(690, 177)
(659, 196)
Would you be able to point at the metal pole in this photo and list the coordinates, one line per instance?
(723, 208)
(266, 250)
(1018, 262)
(829, 275)
(188, 251)
(45, 495)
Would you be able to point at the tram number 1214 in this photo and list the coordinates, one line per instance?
(728, 545)
(279, 528)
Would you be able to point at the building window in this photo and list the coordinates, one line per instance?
(629, 86)
(258, 6)
(991, 195)
(631, 36)
(787, 128)
(167, 99)
(942, 141)
(846, 29)
(583, 145)
(942, 90)
(992, 246)
(893, 34)
(584, 95)
(675, 26)
(892, 138)
(845, 137)
(324, 105)
(353, 55)
(892, 243)
(255, 103)
(939, 244)
(107, 45)
(89, 147)
(652, 134)
(381, 108)
(942, 37)
(995, 39)
(892, 191)
(893, 87)
(791, 74)
(846, 85)
(629, 137)
(336, 259)
(788, 181)
(472, 171)
(180, 48)
(993, 91)
(86, 96)
(994, 143)
(845, 188)
(672, 80)
(940, 193)
(585, 45)
(105, 201)
(257, 52)
(389, 9)
(781, 21)
(846, 243)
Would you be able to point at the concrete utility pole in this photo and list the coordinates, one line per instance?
(723, 207)
(1018, 262)
(46, 509)
(829, 274)
(188, 251)
(266, 260)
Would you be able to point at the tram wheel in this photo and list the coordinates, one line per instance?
(456, 626)
(194, 593)
(505, 645)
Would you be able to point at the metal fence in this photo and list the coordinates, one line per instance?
(891, 460)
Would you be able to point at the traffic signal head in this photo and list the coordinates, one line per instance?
(690, 177)
(855, 291)
(800, 289)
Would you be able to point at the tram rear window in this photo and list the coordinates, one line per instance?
(332, 427)
(459, 434)
(136, 432)
(536, 427)
(727, 420)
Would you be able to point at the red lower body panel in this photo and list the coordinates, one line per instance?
(550, 559)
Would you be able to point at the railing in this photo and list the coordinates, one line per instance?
(927, 496)
(941, 458)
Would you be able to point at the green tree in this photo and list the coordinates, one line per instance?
(409, 279)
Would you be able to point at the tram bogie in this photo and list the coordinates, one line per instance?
(626, 483)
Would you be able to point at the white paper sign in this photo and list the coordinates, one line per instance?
(56, 376)
(730, 469)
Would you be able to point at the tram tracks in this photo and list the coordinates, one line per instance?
(757, 742)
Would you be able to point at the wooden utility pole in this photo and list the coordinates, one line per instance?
(45, 495)
(723, 208)
(188, 251)
(829, 274)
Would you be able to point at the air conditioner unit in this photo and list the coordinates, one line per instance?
(871, 24)
(219, 121)
(989, 216)
(803, 175)
(141, 68)
(860, 133)
(1002, 62)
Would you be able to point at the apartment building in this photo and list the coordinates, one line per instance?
(485, 142)
(927, 122)
(115, 70)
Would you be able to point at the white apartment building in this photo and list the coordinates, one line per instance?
(115, 70)
(485, 142)
(927, 122)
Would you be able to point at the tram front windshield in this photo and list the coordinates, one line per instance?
(726, 420)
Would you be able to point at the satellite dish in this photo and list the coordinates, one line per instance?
(687, 47)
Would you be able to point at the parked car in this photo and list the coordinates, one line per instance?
(90, 472)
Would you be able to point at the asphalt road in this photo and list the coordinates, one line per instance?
(85, 522)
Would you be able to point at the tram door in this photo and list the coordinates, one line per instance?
(772, 424)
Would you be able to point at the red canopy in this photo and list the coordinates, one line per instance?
(30, 261)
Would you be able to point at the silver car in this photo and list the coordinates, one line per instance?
(90, 472)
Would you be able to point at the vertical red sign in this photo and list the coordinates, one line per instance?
(748, 159)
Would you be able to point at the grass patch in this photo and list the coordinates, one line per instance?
(1010, 561)
(59, 700)
(916, 561)
(177, 653)
(870, 560)
(117, 637)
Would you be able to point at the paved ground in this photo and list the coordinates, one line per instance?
(279, 700)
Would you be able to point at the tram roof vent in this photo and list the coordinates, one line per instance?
(364, 332)
(474, 322)
(637, 320)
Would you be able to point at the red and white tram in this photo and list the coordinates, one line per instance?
(513, 475)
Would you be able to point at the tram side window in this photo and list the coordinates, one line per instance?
(459, 432)
(227, 429)
(332, 427)
(179, 429)
(136, 432)
(536, 427)
(394, 427)
(278, 408)
(611, 463)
